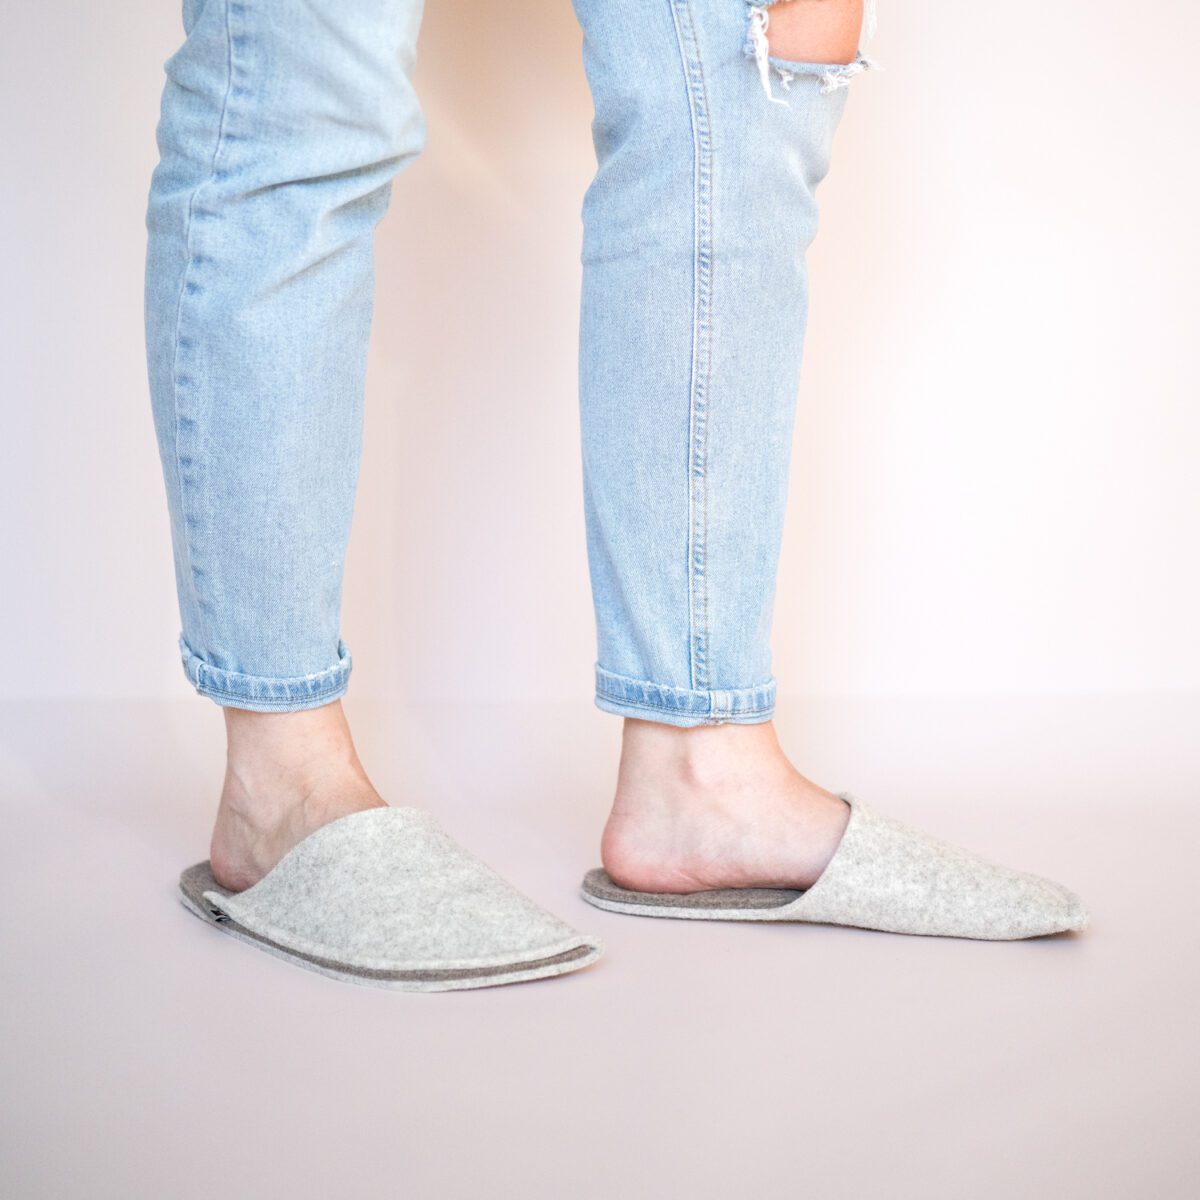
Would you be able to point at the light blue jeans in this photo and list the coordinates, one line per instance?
(283, 125)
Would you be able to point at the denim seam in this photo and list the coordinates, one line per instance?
(236, 685)
(739, 712)
(208, 690)
(720, 703)
(195, 573)
(698, 109)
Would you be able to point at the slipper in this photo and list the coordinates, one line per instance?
(884, 875)
(386, 897)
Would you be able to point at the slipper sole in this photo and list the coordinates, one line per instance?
(197, 880)
(721, 904)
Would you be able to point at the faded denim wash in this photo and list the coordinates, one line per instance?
(282, 128)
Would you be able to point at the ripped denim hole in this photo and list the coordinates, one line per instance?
(831, 75)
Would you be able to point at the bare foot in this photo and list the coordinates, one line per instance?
(716, 806)
(286, 775)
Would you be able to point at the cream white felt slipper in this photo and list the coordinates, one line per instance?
(883, 875)
(386, 897)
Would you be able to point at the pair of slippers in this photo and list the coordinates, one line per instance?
(386, 897)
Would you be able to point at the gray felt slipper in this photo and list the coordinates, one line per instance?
(883, 875)
(386, 897)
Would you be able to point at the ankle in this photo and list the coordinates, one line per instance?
(277, 761)
(661, 760)
(288, 739)
(261, 796)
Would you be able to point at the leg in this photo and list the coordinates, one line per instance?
(691, 351)
(692, 329)
(281, 130)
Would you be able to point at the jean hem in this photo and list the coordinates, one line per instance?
(262, 693)
(684, 707)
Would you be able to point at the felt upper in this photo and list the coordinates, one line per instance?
(389, 889)
(887, 875)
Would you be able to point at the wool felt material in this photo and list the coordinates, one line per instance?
(386, 897)
(884, 875)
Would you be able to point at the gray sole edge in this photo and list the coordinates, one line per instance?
(724, 904)
(683, 914)
(561, 964)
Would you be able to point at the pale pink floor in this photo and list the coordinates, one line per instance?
(145, 1055)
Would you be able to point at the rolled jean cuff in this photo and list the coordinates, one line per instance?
(261, 693)
(683, 706)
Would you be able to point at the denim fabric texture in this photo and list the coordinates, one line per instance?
(282, 129)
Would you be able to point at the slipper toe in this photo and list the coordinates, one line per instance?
(887, 875)
(386, 896)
